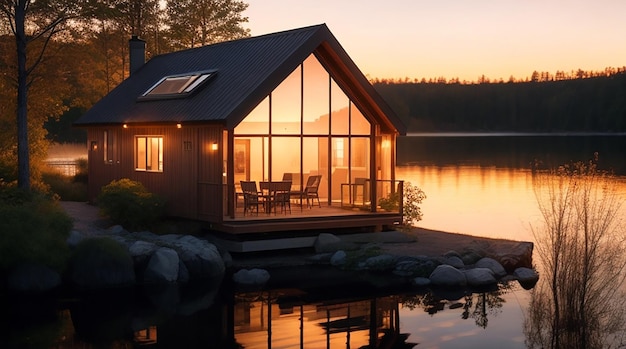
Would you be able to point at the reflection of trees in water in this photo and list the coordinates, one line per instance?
(477, 306)
(486, 304)
(581, 244)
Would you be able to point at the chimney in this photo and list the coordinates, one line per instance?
(137, 51)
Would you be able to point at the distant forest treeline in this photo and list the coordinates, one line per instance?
(582, 102)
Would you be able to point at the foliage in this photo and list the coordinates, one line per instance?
(413, 197)
(353, 258)
(593, 105)
(581, 242)
(34, 229)
(130, 204)
(66, 187)
(96, 262)
(81, 49)
(92, 252)
(202, 22)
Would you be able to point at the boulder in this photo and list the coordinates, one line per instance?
(480, 277)
(447, 275)
(141, 250)
(518, 256)
(202, 259)
(455, 261)
(116, 230)
(421, 281)
(526, 277)
(380, 263)
(162, 267)
(490, 263)
(416, 267)
(74, 238)
(33, 278)
(452, 253)
(338, 258)
(326, 243)
(251, 277)
(472, 256)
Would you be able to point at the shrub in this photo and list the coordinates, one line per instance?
(413, 197)
(34, 229)
(82, 172)
(130, 204)
(65, 187)
(101, 262)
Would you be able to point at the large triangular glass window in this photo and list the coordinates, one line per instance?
(177, 86)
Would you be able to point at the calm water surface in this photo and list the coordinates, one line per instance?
(474, 185)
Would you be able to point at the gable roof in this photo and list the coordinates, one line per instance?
(247, 70)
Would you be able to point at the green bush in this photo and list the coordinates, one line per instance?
(64, 186)
(130, 204)
(34, 229)
(82, 172)
(411, 211)
(101, 262)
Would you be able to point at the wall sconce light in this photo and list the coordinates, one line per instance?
(214, 146)
(94, 145)
(179, 125)
(125, 126)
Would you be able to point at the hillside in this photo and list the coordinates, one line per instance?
(595, 104)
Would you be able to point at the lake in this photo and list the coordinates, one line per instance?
(477, 184)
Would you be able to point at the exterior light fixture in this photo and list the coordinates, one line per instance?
(214, 146)
(179, 125)
(125, 126)
(94, 145)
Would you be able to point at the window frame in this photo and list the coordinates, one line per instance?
(194, 81)
(148, 150)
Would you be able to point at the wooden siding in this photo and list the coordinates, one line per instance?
(210, 172)
(189, 164)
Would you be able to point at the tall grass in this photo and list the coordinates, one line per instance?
(581, 244)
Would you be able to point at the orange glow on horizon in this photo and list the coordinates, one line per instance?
(463, 40)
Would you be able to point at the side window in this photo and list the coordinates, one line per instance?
(149, 153)
(109, 147)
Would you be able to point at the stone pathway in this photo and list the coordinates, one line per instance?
(86, 217)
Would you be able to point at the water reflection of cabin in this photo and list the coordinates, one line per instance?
(191, 125)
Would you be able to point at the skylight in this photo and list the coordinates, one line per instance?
(177, 86)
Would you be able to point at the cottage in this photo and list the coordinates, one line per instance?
(290, 107)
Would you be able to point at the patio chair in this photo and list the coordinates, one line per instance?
(310, 191)
(360, 186)
(281, 195)
(251, 198)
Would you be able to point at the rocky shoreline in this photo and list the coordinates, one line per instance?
(119, 258)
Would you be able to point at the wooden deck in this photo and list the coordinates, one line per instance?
(298, 229)
(303, 218)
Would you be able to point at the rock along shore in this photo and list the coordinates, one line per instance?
(419, 258)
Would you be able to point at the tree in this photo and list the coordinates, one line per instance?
(32, 22)
(202, 22)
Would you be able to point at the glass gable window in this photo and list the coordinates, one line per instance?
(149, 153)
(177, 86)
(308, 125)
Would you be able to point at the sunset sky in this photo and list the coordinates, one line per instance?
(460, 38)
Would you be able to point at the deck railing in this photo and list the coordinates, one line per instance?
(388, 196)
(66, 167)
